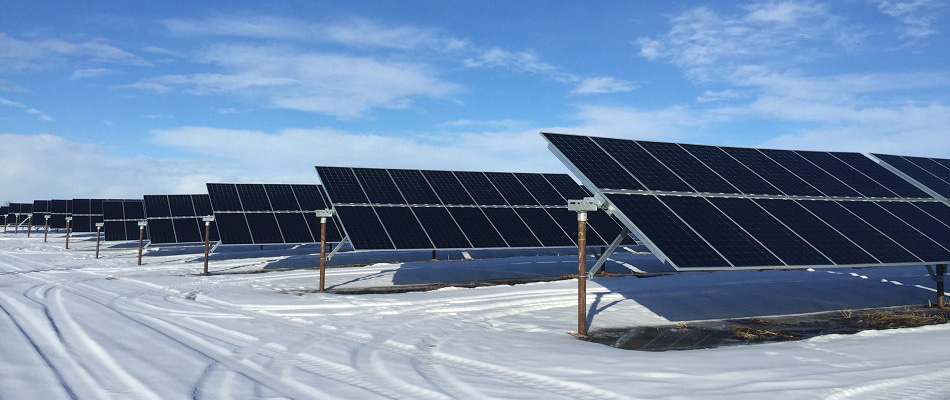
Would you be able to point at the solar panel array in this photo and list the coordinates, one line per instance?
(58, 210)
(177, 218)
(707, 207)
(4, 211)
(120, 219)
(424, 209)
(86, 214)
(18, 212)
(40, 210)
(933, 174)
(269, 213)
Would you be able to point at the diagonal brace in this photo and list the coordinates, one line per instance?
(338, 247)
(610, 250)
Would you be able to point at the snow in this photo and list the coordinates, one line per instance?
(77, 327)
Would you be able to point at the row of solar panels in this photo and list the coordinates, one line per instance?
(708, 207)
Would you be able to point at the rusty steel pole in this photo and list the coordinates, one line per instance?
(207, 244)
(29, 225)
(4, 224)
(98, 229)
(582, 274)
(67, 233)
(16, 224)
(46, 229)
(941, 271)
(141, 239)
(323, 253)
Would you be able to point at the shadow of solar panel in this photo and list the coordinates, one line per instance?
(476, 227)
(294, 228)
(415, 189)
(881, 247)
(363, 228)
(281, 197)
(909, 238)
(676, 240)
(512, 228)
(602, 170)
(448, 188)
(788, 246)
(341, 185)
(442, 229)
(233, 229)
(403, 228)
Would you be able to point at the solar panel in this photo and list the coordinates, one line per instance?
(269, 213)
(40, 211)
(86, 214)
(18, 214)
(930, 174)
(120, 219)
(426, 209)
(177, 218)
(707, 207)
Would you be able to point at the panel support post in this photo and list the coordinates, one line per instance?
(16, 224)
(323, 215)
(582, 274)
(68, 220)
(46, 228)
(4, 224)
(141, 238)
(323, 254)
(941, 272)
(29, 224)
(98, 231)
(207, 221)
(434, 258)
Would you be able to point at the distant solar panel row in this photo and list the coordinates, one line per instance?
(86, 214)
(177, 218)
(269, 213)
(423, 209)
(40, 211)
(18, 213)
(933, 173)
(705, 229)
(120, 219)
(58, 210)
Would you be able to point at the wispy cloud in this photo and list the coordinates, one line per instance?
(916, 17)
(29, 110)
(17, 54)
(602, 84)
(91, 73)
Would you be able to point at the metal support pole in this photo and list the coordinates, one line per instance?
(141, 239)
(4, 224)
(606, 253)
(941, 271)
(582, 274)
(16, 226)
(29, 224)
(434, 258)
(207, 244)
(98, 229)
(46, 229)
(323, 253)
(68, 220)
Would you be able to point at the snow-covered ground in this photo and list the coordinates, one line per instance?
(76, 327)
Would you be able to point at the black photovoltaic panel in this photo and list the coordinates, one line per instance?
(341, 185)
(932, 173)
(586, 155)
(40, 211)
(120, 219)
(460, 209)
(86, 214)
(789, 208)
(267, 213)
(177, 218)
(58, 210)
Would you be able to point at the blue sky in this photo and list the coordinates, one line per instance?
(121, 99)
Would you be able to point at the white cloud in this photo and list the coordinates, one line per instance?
(19, 54)
(602, 84)
(709, 96)
(29, 110)
(75, 170)
(91, 73)
(916, 17)
(333, 84)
